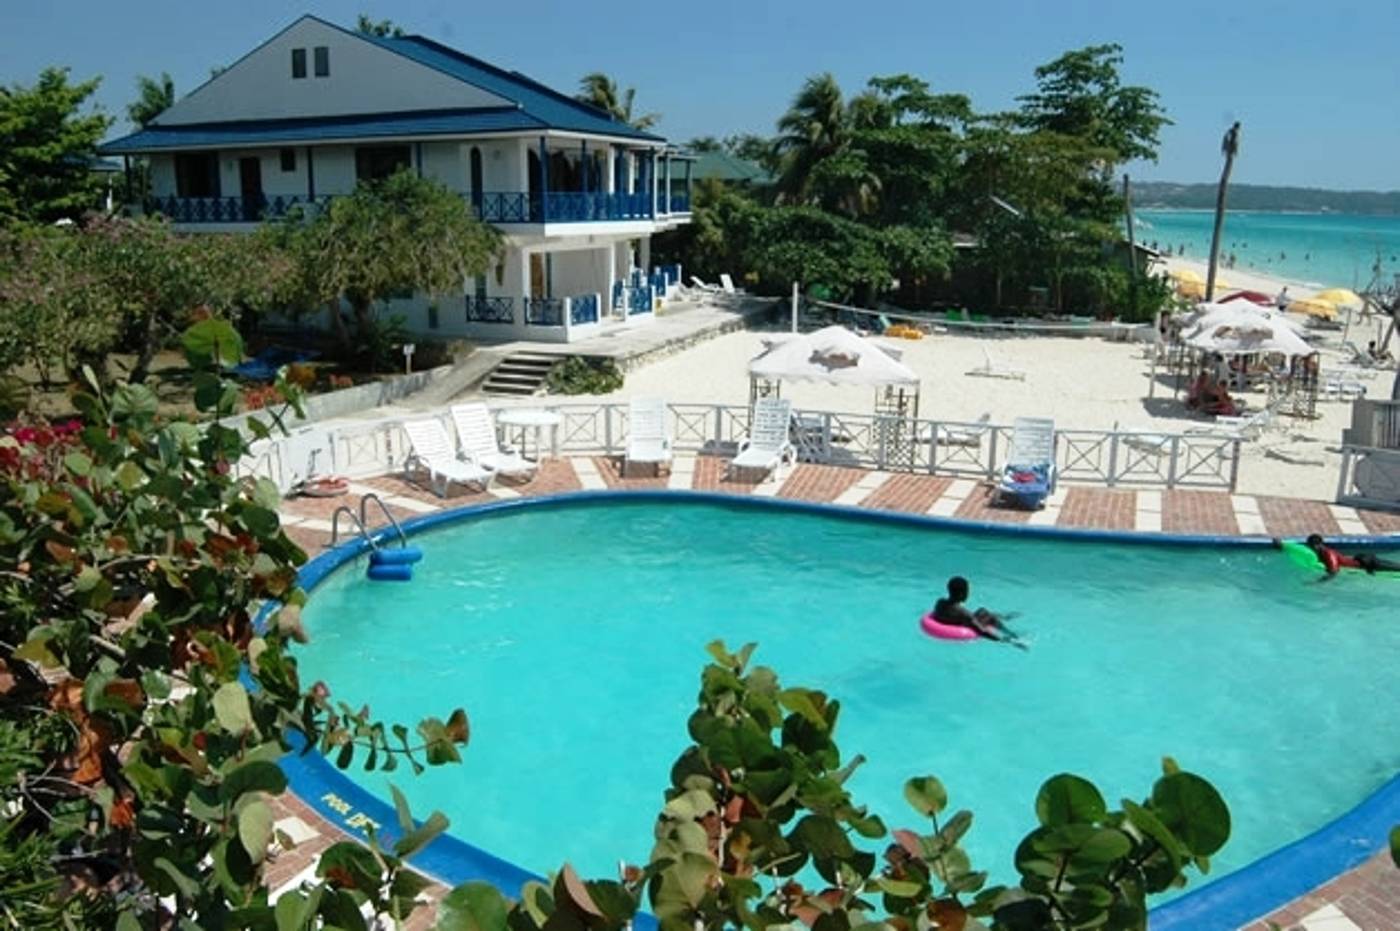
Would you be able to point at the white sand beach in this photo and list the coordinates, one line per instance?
(1083, 383)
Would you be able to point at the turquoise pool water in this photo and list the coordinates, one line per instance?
(574, 636)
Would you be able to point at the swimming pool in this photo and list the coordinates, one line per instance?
(574, 637)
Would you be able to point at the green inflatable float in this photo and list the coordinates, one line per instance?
(1300, 554)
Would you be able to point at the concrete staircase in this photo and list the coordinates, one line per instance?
(520, 375)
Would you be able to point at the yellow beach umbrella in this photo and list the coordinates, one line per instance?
(1344, 297)
(1186, 276)
(1222, 284)
(1195, 290)
(1314, 307)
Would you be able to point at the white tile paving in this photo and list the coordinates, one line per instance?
(1148, 521)
(1247, 516)
(868, 484)
(411, 504)
(504, 492)
(1348, 521)
(952, 498)
(1329, 918)
(682, 473)
(587, 473)
(316, 523)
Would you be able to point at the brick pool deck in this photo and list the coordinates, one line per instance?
(1367, 897)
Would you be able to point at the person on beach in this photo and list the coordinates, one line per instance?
(1283, 300)
(1334, 562)
(952, 611)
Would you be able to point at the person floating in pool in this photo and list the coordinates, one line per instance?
(952, 611)
(1334, 561)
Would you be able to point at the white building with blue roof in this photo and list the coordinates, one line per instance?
(316, 109)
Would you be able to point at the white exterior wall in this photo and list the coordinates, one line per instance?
(163, 175)
(335, 169)
(579, 271)
(446, 163)
(364, 78)
(275, 181)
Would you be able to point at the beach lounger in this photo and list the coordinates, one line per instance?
(1341, 387)
(431, 450)
(476, 441)
(768, 445)
(1147, 442)
(648, 440)
(703, 286)
(991, 369)
(965, 434)
(1029, 476)
(727, 284)
(1241, 427)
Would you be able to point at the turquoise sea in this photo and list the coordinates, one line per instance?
(1329, 249)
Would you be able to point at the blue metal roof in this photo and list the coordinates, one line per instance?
(536, 107)
(324, 129)
(551, 108)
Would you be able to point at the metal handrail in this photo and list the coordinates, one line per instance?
(359, 525)
(364, 520)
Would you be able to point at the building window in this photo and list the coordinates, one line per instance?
(289, 159)
(377, 162)
(323, 61)
(432, 317)
(298, 62)
(197, 174)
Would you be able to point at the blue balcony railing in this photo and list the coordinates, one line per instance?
(583, 309)
(639, 301)
(544, 311)
(231, 209)
(559, 207)
(490, 309)
(680, 203)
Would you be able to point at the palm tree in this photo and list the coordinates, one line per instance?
(152, 99)
(1229, 147)
(813, 128)
(601, 91)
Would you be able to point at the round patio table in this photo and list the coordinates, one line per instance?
(529, 419)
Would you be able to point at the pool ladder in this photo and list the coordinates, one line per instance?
(385, 565)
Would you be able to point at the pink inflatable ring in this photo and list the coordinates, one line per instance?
(936, 628)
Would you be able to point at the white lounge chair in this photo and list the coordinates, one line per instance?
(703, 286)
(1242, 427)
(431, 450)
(1342, 386)
(965, 434)
(647, 437)
(1029, 476)
(727, 284)
(768, 445)
(1146, 442)
(992, 369)
(476, 441)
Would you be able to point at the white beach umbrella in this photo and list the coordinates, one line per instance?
(1240, 333)
(833, 355)
(1234, 313)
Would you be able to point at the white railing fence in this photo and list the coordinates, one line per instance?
(1370, 477)
(873, 441)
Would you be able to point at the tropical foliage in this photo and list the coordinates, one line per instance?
(1029, 191)
(601, 91)
(143, 709)
(396, 236)
(153, 97)
(46, 149)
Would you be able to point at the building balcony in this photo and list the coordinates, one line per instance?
(502, 208)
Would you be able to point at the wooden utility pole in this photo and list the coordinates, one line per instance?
(1229, 147)
(1132, 240)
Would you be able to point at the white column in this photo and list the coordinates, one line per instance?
(644, 258)
(667, 200)
(610, 171)
(655, 184)
(609, 256)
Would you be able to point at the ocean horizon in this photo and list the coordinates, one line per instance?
(1320, 249)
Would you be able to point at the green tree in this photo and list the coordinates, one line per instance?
(153, 97)
(132, 754)
(1081, 94)
(403, 234)
(384, 28)
(599, 90)
(705, 144)
(46, 149)
(812, 129)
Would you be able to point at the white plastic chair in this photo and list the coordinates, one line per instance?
(727, 283)
(430, 448)
(769, 444)
(648, 440)
(476, 441)
(965, 434)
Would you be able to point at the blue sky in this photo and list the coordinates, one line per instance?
(1316, 84)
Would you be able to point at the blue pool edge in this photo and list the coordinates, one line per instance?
(1247, 894)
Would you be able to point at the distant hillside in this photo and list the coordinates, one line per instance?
(1263, 197)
